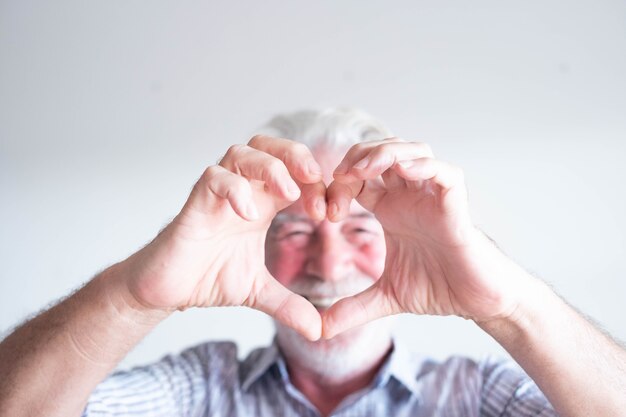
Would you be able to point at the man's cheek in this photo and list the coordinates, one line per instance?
(372, 258)
(283, 266)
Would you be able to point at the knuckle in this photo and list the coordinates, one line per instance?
(295, 153)
(234, 150)
(254, 140)
(240, 185)
(210, 172)
(380, 150)
(299, 148)
(357, 148)
(389, 150)
(237, 186)
(275, 167)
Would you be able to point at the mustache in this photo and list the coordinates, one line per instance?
(312, 286)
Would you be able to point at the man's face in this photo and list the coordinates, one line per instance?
(325, 261)
(321, 260)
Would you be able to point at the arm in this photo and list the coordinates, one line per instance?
(438, 263)
(212, 254)
(51, 364)
(580, 370)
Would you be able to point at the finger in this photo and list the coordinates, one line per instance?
(257, 165)
(356, 153)
(290, 309)
(382, 157)
(295, 155)
(442, 173)
(392, 180)
(234, 188)
(314, 199)
(348, 186)
(339, 195)
(356, 310)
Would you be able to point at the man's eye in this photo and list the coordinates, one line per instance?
(359, 236)
(296, 233)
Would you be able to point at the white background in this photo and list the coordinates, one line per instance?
(110, 111)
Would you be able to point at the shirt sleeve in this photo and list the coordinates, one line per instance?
(508, 391)
(176, 386)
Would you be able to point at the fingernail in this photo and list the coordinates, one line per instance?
(293, 189)
(251, 211)
(406, 164)
(320, 206)
(363, 163)
(333, 210)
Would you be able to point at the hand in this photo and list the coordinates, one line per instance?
(437, 262)
(212, 254)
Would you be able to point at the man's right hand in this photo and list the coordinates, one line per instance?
(212, 253)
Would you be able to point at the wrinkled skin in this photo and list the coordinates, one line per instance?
(212, 254)
(432, 264)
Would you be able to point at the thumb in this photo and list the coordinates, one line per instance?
(290, 309)
(356, 310)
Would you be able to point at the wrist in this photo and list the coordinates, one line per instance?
(536, 304)
(508, 296)
(114, 283)
(102, 323)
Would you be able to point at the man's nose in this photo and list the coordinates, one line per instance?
(331, 256)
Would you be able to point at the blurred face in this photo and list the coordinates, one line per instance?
(324, 262)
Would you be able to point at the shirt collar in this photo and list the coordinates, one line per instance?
(267, 357)
(401, 365)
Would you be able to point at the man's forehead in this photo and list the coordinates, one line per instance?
(285, 217)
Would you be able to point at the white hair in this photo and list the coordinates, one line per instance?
(339, 127)
(357, 349)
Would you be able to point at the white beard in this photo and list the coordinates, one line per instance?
(348, 353)
(341, 357)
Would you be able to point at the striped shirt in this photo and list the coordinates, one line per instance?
(209, 380)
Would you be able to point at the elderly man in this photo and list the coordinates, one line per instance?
(354, 225)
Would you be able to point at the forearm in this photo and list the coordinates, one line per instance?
(579, 369)
(50, 365)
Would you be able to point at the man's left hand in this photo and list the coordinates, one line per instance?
(437, 262)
